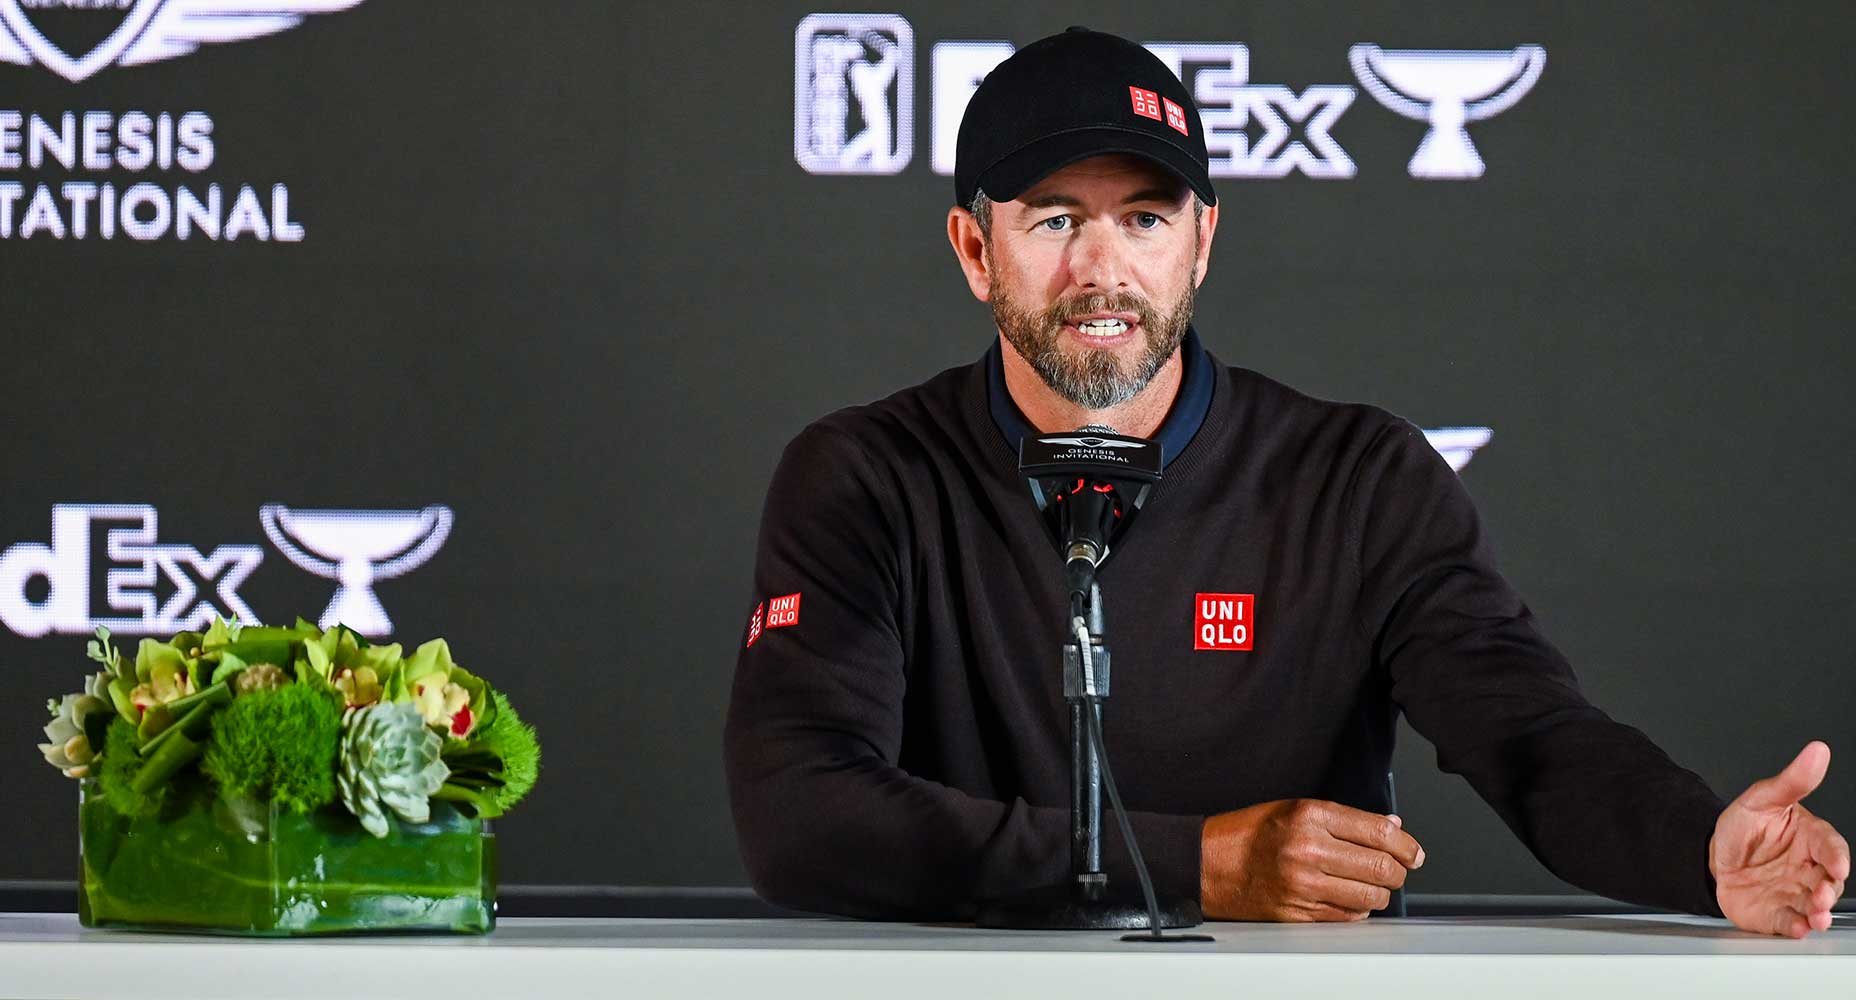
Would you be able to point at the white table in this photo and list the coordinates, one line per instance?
(1457, 958)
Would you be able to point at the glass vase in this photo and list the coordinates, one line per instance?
(204, 863)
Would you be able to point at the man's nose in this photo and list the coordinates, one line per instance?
(1098, 260)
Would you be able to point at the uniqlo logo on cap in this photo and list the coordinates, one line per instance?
(1146, 103)
(783, 611)
(1175, 116)
(754, 622)
(1224, 621)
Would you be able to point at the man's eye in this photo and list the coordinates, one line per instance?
(1056, 223)
(1147, 220)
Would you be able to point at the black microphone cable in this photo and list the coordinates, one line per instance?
(1092, 721)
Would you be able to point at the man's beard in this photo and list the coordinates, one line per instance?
(1093, 379)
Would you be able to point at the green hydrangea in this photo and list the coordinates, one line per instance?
(121, 764)
(514, 741)
(493, 769)
(277, 745)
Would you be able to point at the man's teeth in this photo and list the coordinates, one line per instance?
(1102, 327)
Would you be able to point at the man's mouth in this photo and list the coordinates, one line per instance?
(1102, 330)
(1102, 327)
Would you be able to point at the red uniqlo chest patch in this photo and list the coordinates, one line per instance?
(1175, 116)
(1146, 103)
(783, 611)
(1224, 621)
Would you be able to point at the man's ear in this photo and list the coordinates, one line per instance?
(1208, 225)
(963, 231)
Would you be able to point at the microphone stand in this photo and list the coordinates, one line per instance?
(1089, 484)
(1084, 901)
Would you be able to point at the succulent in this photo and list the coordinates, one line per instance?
(260, 677)
(98, 686)
(389, 760)
(70, 749)
(118, 677)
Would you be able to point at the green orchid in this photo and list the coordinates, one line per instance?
(358, 686)
(162, 675)
(447, 695)
(363, 674)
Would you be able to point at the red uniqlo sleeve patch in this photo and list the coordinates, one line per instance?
(1175, 116)
(783, 611)
(1146, 103)
(754, 622)
(1224, 621)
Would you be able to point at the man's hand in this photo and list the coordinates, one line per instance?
(1777, 868)
(1302, 860)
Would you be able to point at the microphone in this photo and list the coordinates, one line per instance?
(1087, 519)
(1089, 484)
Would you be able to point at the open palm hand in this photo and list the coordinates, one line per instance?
(1777, 868)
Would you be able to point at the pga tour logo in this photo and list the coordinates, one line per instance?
(150, 587)
(853, 100)
(78, 38)
(853, 93)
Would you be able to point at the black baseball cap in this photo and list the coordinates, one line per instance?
(1076, 94)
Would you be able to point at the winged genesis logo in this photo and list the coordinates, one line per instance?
(1092, 442)
(134, 32)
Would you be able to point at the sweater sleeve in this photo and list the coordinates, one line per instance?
(1599, 804)
(824, 817)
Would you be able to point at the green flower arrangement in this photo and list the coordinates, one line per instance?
(288, 781)
(298, 718)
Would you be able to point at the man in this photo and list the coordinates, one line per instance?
(897, 740)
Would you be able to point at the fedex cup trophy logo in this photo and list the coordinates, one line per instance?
(1448, 89)
(1458, 444)
(77, 38)
(846, 67)
(356, 548)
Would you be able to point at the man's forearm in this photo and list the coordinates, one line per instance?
(866, 839)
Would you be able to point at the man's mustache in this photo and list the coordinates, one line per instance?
(1069, 311)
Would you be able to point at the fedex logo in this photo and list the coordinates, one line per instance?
(147, 586)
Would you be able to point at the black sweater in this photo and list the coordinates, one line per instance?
(898, 748)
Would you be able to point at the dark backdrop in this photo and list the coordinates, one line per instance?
(561, 272)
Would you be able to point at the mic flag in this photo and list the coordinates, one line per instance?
(1089, 484)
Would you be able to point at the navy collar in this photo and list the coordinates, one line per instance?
(1176, 431)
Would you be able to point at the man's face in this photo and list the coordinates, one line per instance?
(1093, 272)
